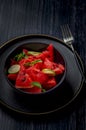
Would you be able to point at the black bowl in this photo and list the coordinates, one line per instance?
(50, 94)
(54, 99)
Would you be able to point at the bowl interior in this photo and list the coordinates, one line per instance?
(39, 47)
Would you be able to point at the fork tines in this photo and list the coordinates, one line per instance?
(67, 35)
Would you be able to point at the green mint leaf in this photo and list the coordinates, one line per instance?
(37, 84)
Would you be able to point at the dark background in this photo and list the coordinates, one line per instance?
(20, 17)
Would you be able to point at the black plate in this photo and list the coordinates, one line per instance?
(11, 98)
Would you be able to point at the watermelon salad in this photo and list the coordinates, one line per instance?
(34, 72)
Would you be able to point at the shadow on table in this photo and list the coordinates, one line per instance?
(73, 107)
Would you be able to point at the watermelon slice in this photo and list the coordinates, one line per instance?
(51, 82)
(12, 76)
(51, 52)
(36, 74)
(33, 90)
(58, 68)
(23, 80)
(25, 51)
(47, 64)
(36, 88)
(13, 62)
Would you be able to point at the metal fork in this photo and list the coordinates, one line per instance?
(67, 36)
(69, 39)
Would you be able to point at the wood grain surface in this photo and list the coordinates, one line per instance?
(21, 17)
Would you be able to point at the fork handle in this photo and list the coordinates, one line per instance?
(75, 56)
(79, 67)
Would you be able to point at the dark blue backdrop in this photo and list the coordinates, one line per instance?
(20, 17)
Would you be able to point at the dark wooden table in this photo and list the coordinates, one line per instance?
(20, 17)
